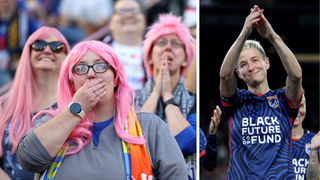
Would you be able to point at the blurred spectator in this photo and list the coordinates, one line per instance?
(153, 8)
(190, 17)
(36, 10)
(190, 20)
(44, 10)
(15, 28)
(127, 26)
(81, 18)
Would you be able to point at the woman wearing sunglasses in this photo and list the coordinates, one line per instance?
(168, 51)
(95, 133)
(34, 89)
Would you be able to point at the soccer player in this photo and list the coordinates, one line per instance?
(305, 148)
(259, 119)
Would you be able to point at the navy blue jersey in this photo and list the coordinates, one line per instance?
(301, 154)
(259, 135)
(202, 142)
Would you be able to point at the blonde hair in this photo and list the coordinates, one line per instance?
(256, 45)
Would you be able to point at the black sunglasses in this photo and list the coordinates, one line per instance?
(82, 69)
(40, 45)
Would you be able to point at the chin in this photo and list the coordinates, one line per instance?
(46, 68)
(297, 121)
(295, 124)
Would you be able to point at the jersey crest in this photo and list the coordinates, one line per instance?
(273, 101)
(308, 148)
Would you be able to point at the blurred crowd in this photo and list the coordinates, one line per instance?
(77, 20)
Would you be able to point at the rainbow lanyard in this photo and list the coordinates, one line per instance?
(50, 173)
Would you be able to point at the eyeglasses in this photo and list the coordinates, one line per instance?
(173, 42)
(40, 45)
(122, 11)
(82, 69)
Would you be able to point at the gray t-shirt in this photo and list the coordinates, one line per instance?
(106, 160)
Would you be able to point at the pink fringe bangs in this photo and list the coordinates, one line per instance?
(18, 102)
(168, 24)
(81, 135)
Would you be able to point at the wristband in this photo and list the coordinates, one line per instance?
(170, 101)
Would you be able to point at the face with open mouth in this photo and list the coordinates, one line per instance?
(170, 47)
(47, 60)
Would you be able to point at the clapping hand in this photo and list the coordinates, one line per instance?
(215, 120)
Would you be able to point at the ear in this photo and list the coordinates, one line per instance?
(239, 74)
(115, 79)
(267, 63)
(150, 59)
(185, 62)
(71, 83)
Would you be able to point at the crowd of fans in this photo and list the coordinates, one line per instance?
(76, 20)
(36, 38)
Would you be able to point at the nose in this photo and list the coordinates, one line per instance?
(168, 46)
(127, 13)
(91, 73)
(47, 50)
(250, 66)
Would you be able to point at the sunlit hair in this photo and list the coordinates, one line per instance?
(18, 103)
(256, 45)
(168, 24)
(124, 95)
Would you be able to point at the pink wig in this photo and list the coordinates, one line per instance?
(124, 95)
(168, 24)
(18, 103)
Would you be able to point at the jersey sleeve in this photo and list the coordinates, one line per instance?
(292, 111)
(229, 103)
(202, 143)
(209, 159)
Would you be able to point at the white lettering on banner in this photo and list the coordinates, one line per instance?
(263, 130)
